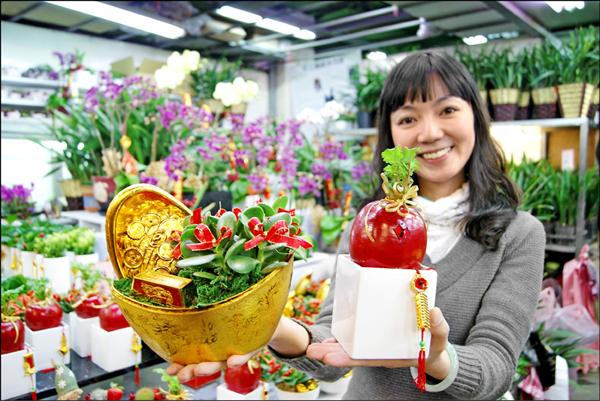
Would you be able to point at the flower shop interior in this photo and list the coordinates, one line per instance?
(150, 147)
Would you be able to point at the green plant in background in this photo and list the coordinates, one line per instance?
(368, 87)
(51, 246)
(533, 179)
(80, 240)
(564, 186)
(579, 57)
(591, 182)
(541, 67)
(505, 70)
(210, 73)
(478, 64)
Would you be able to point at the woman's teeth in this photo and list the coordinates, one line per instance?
(436, 154)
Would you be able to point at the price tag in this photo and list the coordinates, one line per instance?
(568, 160)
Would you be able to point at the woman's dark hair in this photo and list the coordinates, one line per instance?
(493, 198)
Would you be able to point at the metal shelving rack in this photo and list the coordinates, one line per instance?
(584, 125)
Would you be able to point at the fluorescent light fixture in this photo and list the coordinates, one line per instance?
(374, 56)
(305, 34)
(475, 40)
(559, 6)
(277, 26)
(123, 17)
(238, 15)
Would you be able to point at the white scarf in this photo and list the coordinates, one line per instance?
(442, 217)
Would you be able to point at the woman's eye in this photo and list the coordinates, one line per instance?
(449, 110)
(406, 120)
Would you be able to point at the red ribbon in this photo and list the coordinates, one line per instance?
(291, 212)
(197, 216)
(206, 239)
(277, 234)
(237, 211)
(176, 252)
(220, 212)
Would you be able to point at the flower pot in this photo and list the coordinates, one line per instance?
(594, 104)
(575, 99)
(234, 326)
(222, 199)
(364, 119)
(292, 395)
(504, 101)
(565, 234)
(544, 101)
(523, 106)
(74, 203)
(71, 188)
(483, 95)
(104, 191)
(56, 270)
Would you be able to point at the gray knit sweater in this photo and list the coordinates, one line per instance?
(488, 299)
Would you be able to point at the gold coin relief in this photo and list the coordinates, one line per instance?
(136, 230)
(132, 258)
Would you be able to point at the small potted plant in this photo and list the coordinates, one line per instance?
(543, 76)
(293, 384)
(81, 242)
(52, 261)
(579, 56)
(210, 267)
(505, 81)
(16, 200)
(478, 65)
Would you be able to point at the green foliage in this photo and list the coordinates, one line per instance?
(175, 387)
(505, 70)
(580, 57)
(89, 276)
(478, 64)
(542, 66)
(533, 179)
(51, 246)
(332, 227)
(80, 240)
(206, 78)
(17, 285)
(368, 87)
(234, 256)
(401, 164)
(592, 193)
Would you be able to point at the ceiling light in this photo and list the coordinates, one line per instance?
(305, 34)
(374, 56)
(277, 26)
(559, 6)
(123, 17)
(238, 15)
(475, 40)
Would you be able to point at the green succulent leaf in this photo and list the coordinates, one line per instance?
(242, 264)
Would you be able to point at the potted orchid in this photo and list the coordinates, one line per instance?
(206, 78)
(16, 201)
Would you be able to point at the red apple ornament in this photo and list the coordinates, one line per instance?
(13, 335)
(88, 307)
(390, 232)
(111, 318)
(243, 379)
(43, 315)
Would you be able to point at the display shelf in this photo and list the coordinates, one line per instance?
(23, 104)
(88, 373)
(26, 127)
(93, 220)
(22, 82)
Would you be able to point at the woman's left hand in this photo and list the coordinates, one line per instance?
(331, 352)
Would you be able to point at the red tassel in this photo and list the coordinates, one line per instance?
(421, 379)
(137, 375)
(34, 395)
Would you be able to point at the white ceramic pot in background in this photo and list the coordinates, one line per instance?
(58, 272)
(339, 386)
(27, 267)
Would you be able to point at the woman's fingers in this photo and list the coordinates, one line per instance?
(208, 368)
(186, 373)
(238, 360)
(174, 368)
(439, 332)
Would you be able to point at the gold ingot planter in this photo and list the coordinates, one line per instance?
(139, 222)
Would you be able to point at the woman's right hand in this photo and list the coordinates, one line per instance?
(188, 372)
(289, 339)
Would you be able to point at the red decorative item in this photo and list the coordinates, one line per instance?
(388, 239)
(111, 318)
(200, 381)
(114, 393)
(243, 379)
(13, 336)
(40, 316)
(86, 309)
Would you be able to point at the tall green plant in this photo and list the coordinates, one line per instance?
(579, 56)
(564, 186)
(592, 193)
(533, 178)
(477, 64)
(541, 68)
(506, 71)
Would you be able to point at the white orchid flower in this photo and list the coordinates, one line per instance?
(332, 110)
(310, 116)
(176, 62)
(191, 60)
(168, 78)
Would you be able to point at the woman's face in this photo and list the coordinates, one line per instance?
(443, 129)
